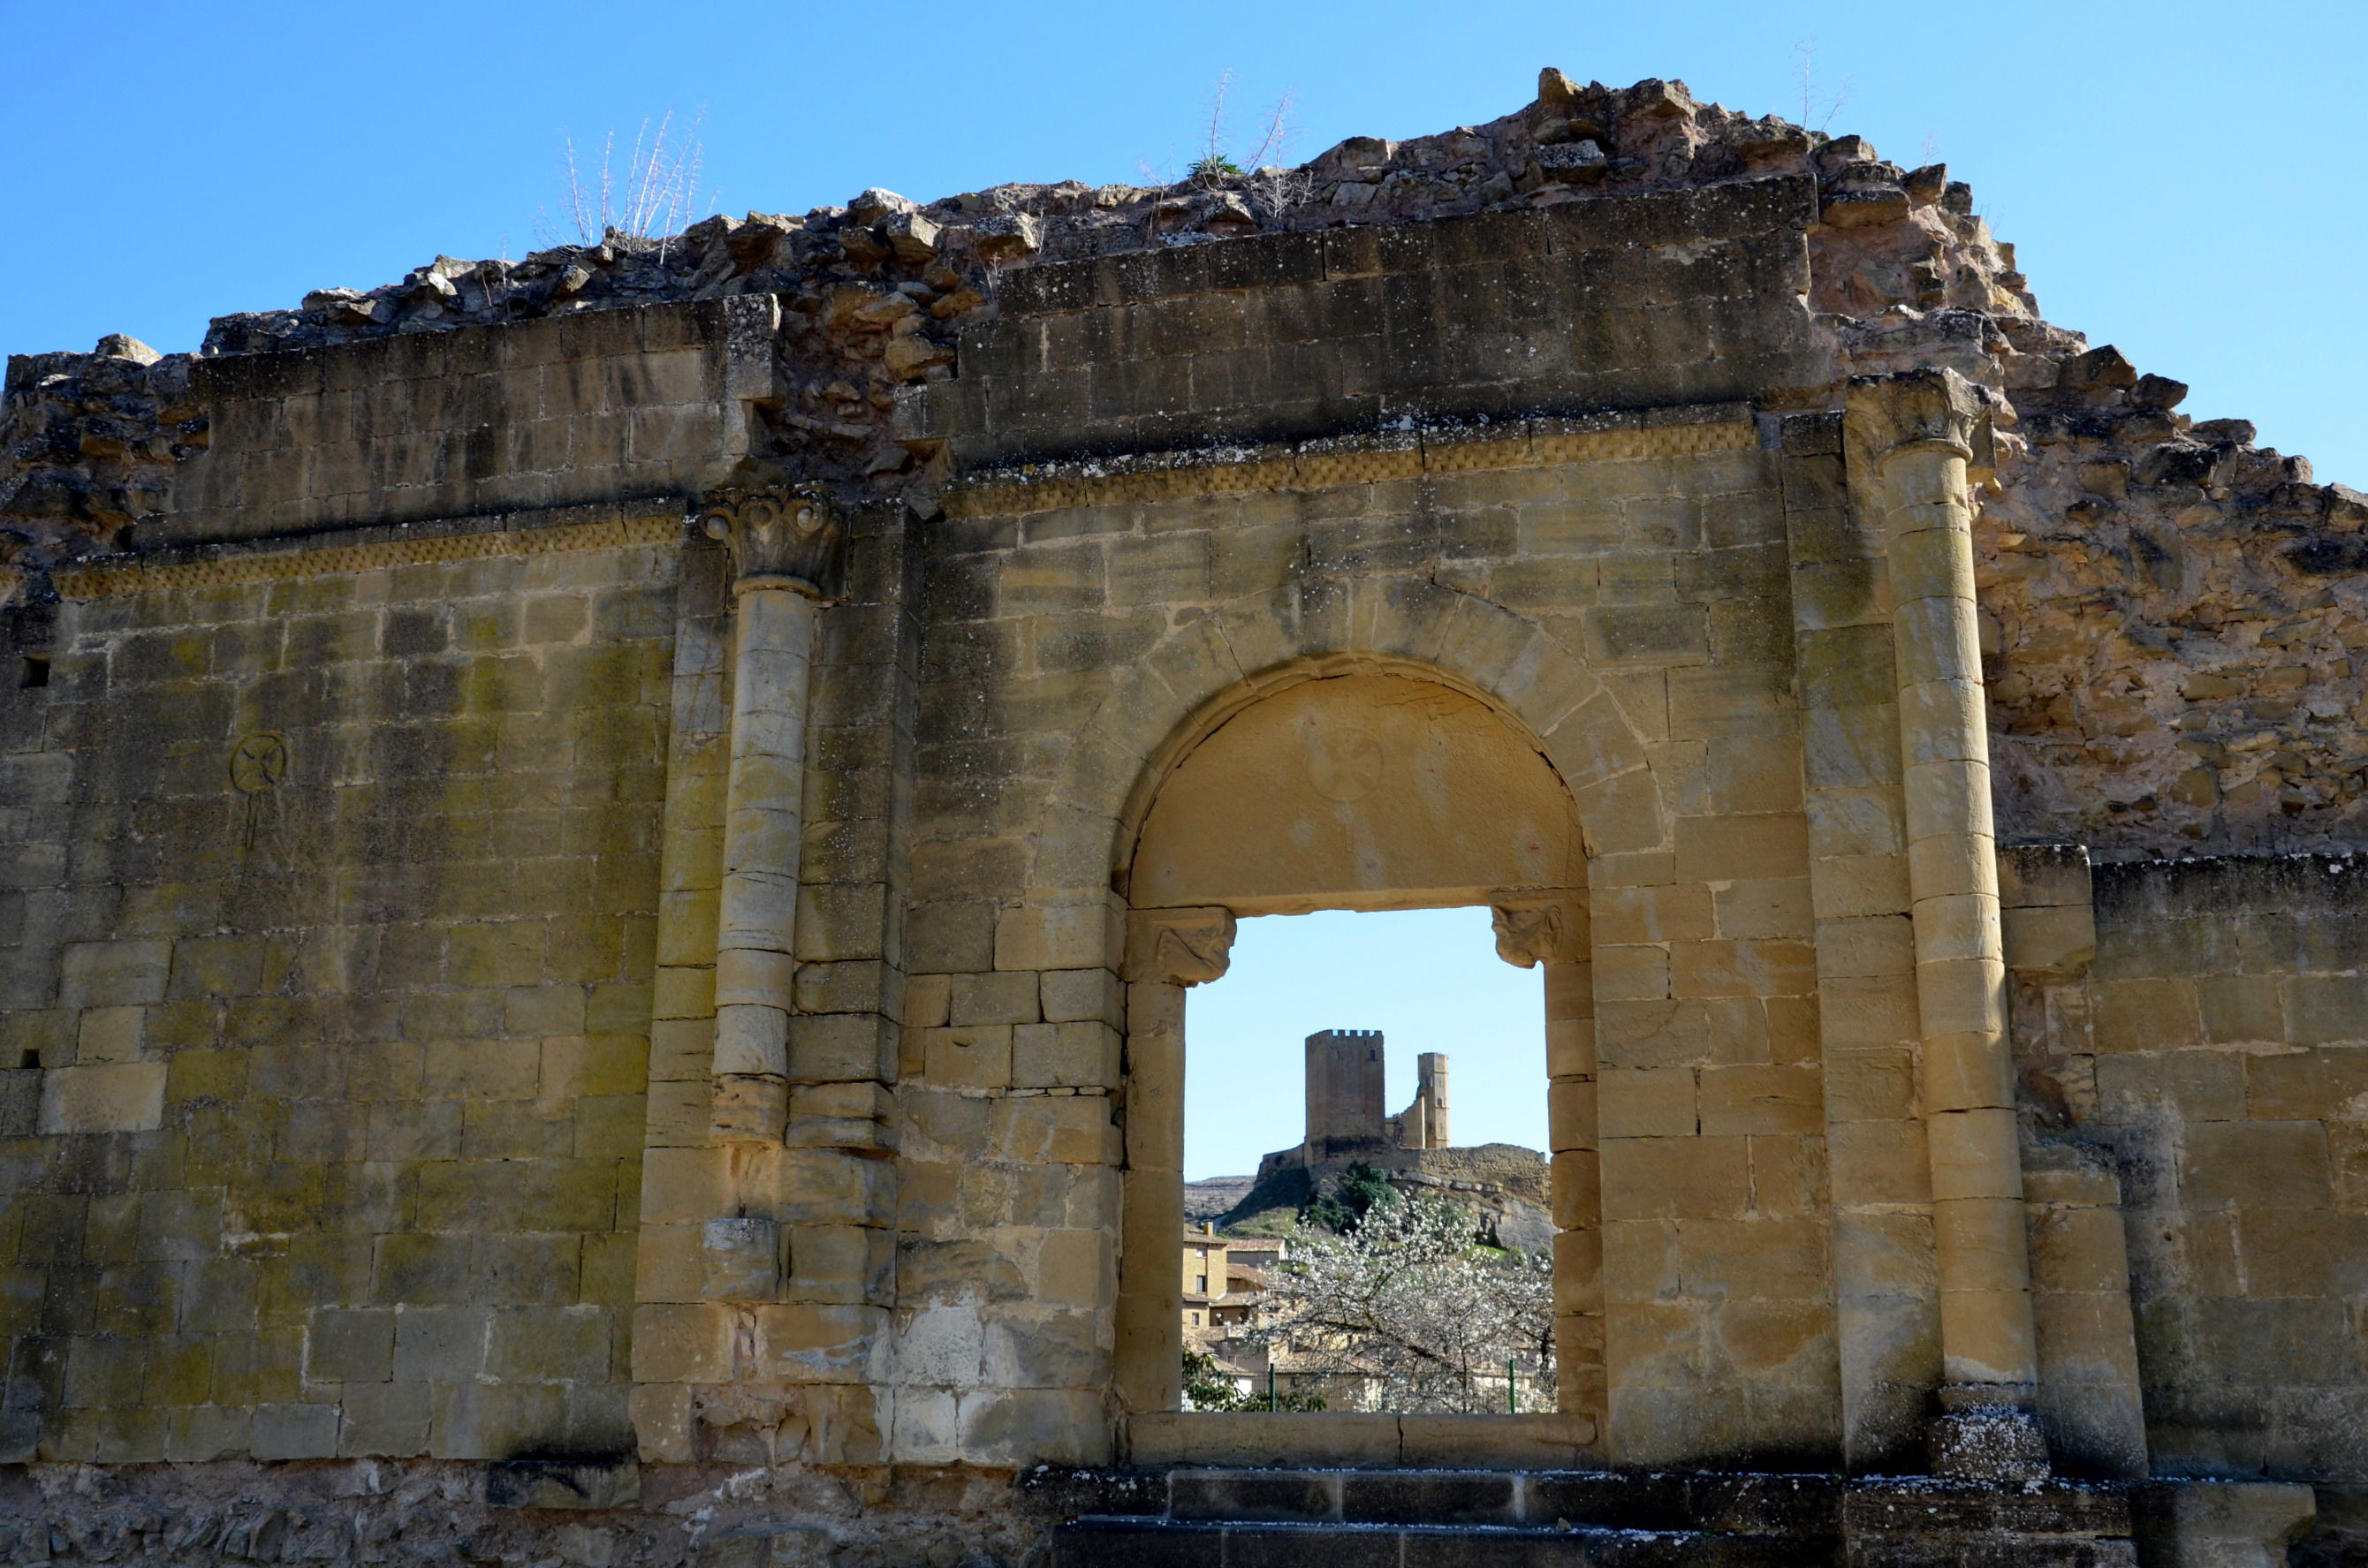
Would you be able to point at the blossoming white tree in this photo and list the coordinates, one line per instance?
(1410, 1311)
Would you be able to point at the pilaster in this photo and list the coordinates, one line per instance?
(1911, 440)
(1886, 1305)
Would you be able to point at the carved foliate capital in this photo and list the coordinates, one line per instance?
(780, 536)
(1917, 409)
(1179, 947)
(1532, 931)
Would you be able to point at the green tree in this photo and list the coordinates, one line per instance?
(1208, 1386)
(1356, 1192)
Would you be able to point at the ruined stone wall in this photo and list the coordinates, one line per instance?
(1667, 299)
(2147, 576)
(359, 1089)
(602, 407)
(2214, 1055)
(1069, 638)
(2176, 620)
(330, 903)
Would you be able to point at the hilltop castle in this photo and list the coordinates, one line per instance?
(1506, 1184)
(1345, 1069)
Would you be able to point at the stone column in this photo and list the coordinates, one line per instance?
(1918, 434)
(1553, 932)
(786, 544)
(1167, 949)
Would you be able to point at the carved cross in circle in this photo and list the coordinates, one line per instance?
(258, 762)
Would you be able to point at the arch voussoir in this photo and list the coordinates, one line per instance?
(1624, 815)
(1544, 685)
(1399, 617)
(1482, 641)
(1594, 741)
(1262, 631)
(1195, 662)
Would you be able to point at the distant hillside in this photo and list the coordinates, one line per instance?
(1503, 1181)
(1215, 1197)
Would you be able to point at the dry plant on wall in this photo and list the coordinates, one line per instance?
(656, 195)
(1818, 105)
(1269, 185)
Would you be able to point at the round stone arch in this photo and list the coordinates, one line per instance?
(1217, 664)
(1358, 785)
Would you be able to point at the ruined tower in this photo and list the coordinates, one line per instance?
(1346, 1069)
(1424, 1125)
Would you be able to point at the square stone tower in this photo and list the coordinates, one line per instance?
(1344, 1092)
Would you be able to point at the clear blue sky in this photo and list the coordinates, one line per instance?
(1429, 980)
(2184, 180)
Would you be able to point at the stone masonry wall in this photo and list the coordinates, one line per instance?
(1662, 299)
(2176, 626)
(362, 843)
(2216, 1053)
(1067, 639)
(605, 407)
(325, 1010)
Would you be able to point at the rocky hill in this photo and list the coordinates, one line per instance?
(1504, 1182)
(1213, 1197)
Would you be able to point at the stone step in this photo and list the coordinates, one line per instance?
(1139, 1542)
(1714, 1503)
(1262, 1517)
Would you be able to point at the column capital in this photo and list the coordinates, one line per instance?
(1919, 410)
(1178, 947)
(781, 535)
(1539, 928)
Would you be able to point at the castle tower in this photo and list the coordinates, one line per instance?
(1344, 1091)
(1431, 1099)
(1423, 1124)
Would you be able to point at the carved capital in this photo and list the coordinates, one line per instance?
(780, 536)
(1915, 410)
(1532, 931)
(1179, 947)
